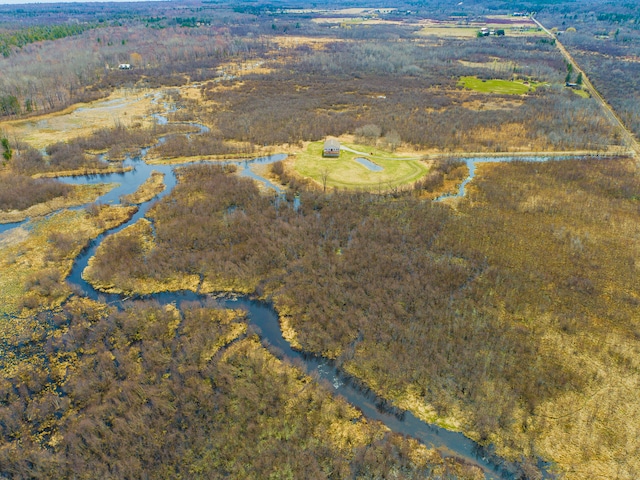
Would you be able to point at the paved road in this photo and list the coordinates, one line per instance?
(628, 137)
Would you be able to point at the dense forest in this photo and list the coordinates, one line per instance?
(509, 314)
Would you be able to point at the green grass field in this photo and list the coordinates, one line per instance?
(581, 93)
(345, 172)
(509, 87)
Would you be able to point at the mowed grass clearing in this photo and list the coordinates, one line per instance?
(345, 172)
(581, 93)
(505, 87)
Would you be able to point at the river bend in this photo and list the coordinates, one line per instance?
(264, 318)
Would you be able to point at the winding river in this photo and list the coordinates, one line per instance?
(265, 321)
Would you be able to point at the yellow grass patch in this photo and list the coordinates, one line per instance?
(80, 195)
(238, 69)
(288, 332)
(498, 65)
(33, 266)
(411, 401)
(82, 171)
(81, 119)
(501, 104)
(149, 189)
(293, 41)
(595, 430)
(448, 31)
(231, 285)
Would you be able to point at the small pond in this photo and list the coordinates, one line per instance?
(369, 164)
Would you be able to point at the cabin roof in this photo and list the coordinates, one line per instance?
(331, 143)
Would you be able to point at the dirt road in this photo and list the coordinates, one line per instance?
(628, 137)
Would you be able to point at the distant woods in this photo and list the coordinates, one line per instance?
(407, 88)
(51, 75)
(604, 40)
(18, 39)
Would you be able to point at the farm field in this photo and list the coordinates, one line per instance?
(505, 87)
(469, 28)
(185, 280)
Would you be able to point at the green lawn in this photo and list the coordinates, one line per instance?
(345, 172)
(510, 87)
(581, 93)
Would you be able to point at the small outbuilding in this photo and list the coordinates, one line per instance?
(331, 148)
(124, 66)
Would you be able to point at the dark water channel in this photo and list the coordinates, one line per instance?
(264, 320)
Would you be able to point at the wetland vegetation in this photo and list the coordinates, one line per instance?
(509, 314)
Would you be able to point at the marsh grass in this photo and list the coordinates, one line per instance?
(81, 120)
(33, 266)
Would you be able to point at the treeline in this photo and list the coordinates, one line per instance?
(151, 392)
(22, 37)
(53, 75)
(58, 157)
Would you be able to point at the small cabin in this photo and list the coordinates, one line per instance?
(124, 66)
(331, 148)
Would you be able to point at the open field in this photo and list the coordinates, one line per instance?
(80, 120)
(345, 172)
(513, 26)
(581, 93)
(504, 87)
